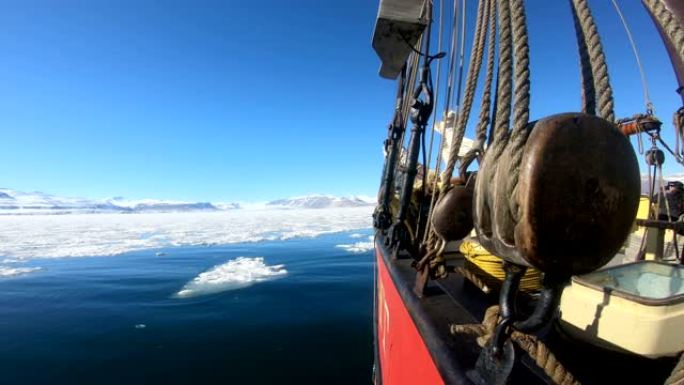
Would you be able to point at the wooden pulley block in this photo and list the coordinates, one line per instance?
(569, 205)
(452, 216)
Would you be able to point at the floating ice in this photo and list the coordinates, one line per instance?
(357, 235)
(6, 271)
(13, 260)
(235, 274)
(359, 247)
(140, 326)
(43, 236)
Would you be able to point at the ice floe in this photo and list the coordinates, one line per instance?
(234, 274)
(358, 247)
(44, 236)
(7, 271)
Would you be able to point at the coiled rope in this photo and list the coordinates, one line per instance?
(597, 61)
(536, 349)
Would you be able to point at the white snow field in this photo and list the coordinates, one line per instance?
(77, 235)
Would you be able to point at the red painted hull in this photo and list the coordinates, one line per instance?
(404, 359)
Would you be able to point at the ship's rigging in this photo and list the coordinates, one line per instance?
(583, 159)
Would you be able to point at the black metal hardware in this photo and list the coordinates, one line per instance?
(382, 218)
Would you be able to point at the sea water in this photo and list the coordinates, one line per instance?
(297, 311)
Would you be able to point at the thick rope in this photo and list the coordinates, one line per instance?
(678, 123)
(484, 200)
(474, 279)
(504, 77)
(485, 107)
(537, 350)
(476, 55)
(521, 110)
(673, 27)
(588, 91)
(677, 375)
(597, 59)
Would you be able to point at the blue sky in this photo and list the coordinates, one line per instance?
(240, 100)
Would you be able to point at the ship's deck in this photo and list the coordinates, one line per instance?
(454, 300)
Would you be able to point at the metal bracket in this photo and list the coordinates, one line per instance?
(493, 368)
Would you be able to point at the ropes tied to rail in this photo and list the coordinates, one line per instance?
(593, 63)
(536, 349)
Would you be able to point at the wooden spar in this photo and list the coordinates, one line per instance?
(677, 9)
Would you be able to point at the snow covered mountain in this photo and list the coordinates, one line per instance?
(321, 202)
(18, 202)
(671, 177)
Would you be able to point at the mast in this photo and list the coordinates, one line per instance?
(677, 9)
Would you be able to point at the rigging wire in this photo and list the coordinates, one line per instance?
(428, 236)
(452, 58)
(644, 83)
(474, 67)
(439, 74)
(461, 55)
(427, 157)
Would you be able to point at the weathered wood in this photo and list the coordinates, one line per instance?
(569, 204)
(452, 216)
(578, 193)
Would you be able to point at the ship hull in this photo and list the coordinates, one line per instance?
(414, 345)
(403, 357)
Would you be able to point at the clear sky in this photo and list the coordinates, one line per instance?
(242, 100)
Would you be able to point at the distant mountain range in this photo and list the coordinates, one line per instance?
(667, 178)
(321, 201)
(19, 202)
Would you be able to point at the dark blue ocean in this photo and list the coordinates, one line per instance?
(116, 320)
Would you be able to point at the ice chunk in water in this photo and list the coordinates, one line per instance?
(235, 274)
